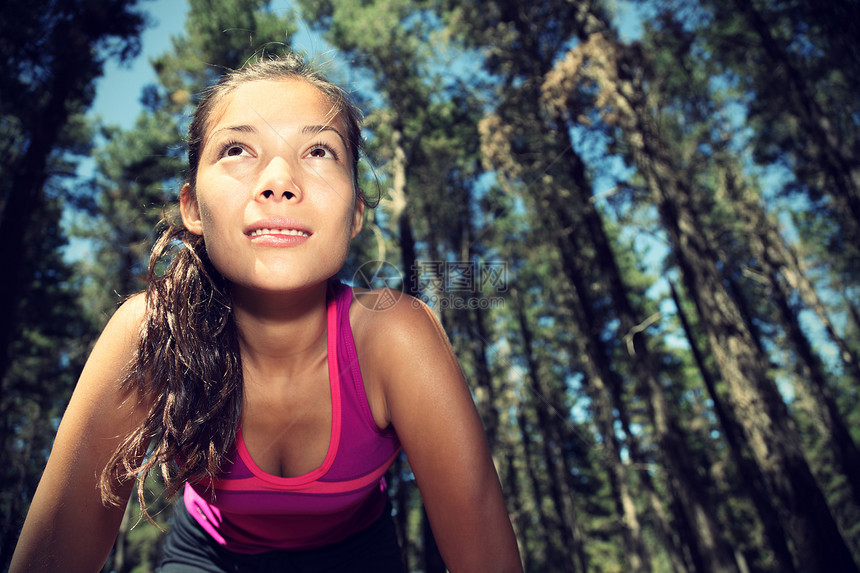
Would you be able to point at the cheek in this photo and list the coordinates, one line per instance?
(216, 212)
(214, 234)
(207, 218)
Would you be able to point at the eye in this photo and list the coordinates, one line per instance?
(232, 149)
(323, 151)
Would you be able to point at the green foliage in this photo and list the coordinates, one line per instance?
(49, 348)
(220, 35)
(51, 54)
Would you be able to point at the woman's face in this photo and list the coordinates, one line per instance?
(274, 197)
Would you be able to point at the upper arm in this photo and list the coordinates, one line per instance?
(430, 406)
(67, 527)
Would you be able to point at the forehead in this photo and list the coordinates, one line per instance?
(277, 103)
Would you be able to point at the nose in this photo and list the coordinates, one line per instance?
(277, 181)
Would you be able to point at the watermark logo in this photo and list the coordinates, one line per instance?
(383, 279)
(461, 285)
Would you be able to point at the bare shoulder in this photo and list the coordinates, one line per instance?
(130, 313)
(420, 390)
(124, 324)
(399, 341)
(402, 321)
(115, 348)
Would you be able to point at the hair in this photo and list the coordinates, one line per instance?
(188, 369)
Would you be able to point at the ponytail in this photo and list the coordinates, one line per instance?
(187, 367)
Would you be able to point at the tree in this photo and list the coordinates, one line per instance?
(743, 366)
(652, 391)
(792, 63)
(51, 57)
(49, 348)
(539, 142)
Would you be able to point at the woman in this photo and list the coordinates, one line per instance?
(251, 379)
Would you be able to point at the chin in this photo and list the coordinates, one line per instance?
(286, 285)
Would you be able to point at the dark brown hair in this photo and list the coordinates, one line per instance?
(188, 367)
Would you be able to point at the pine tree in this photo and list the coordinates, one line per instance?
(738, 352)
(51, 56)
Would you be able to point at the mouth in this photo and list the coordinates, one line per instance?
(282, 228)
(291, 232)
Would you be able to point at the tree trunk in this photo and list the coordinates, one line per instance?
(480, 337)
(701, 509)
(546, 527)
(401, 505)
(795, 274)
(515, 493)
(774, 439)
(767, 246)
(753, 394)
(400, 213)
(759, 406)
(119, 562)
(487, 400)
(753, 480)
(24, 201)
(571, 544)
(836, 435)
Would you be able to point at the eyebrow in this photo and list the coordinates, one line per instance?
(308, 129)
(243, 128)
(321, 128)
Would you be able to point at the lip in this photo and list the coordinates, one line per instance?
(277, 223)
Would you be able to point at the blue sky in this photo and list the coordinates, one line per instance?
(118, 91)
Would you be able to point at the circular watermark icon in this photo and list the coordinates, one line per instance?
(383, 280)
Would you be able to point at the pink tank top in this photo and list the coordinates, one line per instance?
(252, 511)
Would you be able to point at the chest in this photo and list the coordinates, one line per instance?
(287, 421)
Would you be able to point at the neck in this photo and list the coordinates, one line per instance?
(279, 334)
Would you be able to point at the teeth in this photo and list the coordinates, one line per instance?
(295, 232)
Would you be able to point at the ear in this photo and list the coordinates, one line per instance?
(190, 210)
(357, 218)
